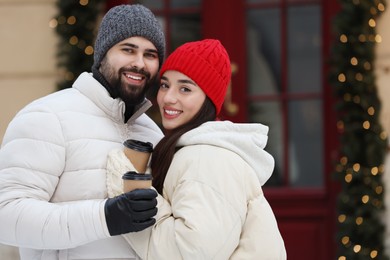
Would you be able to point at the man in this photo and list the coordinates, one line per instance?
(53, 193)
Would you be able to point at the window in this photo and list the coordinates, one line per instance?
(285, 86)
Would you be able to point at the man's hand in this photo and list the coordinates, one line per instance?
(131, 212)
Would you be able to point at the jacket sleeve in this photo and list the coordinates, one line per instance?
(32, 159)
(208, 207)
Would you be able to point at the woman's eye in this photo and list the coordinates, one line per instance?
(163, 85)
(185, 89)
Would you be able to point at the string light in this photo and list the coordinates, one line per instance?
(53, 23)
(71, 20)
(383, 135)
(348, 178)
(344, 160)
(342, 77)
(366, 125)
(374, 171)
(371, 111)
(359, 221)
(345, 240)
(342, 218)
(357, 248)
(372, 23)
(378, 38)
(89, 50)
(367, 65)
(73, 40)
(83, 2)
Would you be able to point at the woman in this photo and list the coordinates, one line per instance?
(209, 172)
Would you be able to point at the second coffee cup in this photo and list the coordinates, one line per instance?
(138, 153)
(133, 180)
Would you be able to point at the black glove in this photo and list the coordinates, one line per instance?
(130, 212)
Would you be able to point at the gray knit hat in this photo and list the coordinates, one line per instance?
(125, 21)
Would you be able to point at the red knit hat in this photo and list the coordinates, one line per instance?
(207, 63)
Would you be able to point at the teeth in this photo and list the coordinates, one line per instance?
(170, 112)
(134, 77)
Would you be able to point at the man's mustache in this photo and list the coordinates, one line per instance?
(136, 70)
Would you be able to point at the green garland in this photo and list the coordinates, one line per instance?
(360, 232)
(76, 28)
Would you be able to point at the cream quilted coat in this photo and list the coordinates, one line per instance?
(213, 206)
(55, 150)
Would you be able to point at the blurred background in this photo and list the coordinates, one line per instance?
(317, 72)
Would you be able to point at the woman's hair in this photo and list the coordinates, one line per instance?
(166, 148)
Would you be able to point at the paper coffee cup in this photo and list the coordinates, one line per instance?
(138, 153)
(133, 180)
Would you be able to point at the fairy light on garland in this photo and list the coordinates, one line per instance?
(75, 24)
(360, 233)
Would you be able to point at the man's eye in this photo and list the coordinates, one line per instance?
(151, 55)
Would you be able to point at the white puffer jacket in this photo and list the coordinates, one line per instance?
(53, 173)
(213, 206)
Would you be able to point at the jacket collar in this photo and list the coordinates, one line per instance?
(97, 93)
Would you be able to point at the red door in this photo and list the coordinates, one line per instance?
(278, 50)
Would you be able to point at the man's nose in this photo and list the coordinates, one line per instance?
(138, 61)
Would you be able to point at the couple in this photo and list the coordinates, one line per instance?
(208, 173)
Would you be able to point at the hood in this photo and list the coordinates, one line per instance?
(246, 140)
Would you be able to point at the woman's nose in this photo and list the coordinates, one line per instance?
(170, 96)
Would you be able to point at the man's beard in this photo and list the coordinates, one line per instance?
(130, 94)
